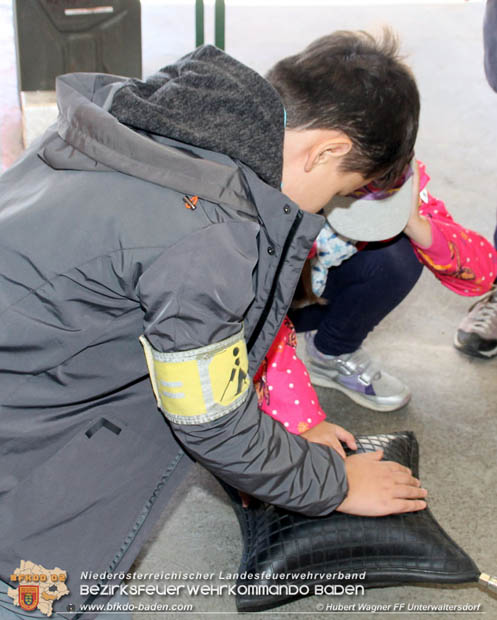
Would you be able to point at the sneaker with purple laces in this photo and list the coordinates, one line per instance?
(477, 332)
(356, 375)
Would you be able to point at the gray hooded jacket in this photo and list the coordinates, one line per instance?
(98, 246)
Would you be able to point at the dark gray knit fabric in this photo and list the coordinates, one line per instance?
(210, 100)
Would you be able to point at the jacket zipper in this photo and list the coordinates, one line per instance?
(272, 292)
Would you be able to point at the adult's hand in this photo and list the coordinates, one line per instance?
(378, 488)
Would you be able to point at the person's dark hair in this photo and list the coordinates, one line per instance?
(355, 83)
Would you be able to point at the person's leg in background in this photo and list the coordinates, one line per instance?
(490, 43)
(360, 293)
(477, 332)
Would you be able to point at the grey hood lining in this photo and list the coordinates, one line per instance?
(210, 100)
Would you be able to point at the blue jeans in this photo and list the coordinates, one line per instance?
(490, 53)
(490, 42)
(360, 293)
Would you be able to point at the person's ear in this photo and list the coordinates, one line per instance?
(324, 151)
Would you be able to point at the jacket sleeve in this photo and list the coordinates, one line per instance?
(463, 260)
(283, 386)
(195, 296)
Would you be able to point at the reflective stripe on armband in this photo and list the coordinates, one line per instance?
(200, 385)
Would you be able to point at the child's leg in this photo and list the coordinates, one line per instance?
(360, 293)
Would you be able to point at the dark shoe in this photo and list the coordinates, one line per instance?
(477, 332)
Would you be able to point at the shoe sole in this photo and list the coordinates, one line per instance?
(472, 353)
(357, 397)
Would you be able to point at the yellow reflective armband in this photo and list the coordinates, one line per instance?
(200, 385)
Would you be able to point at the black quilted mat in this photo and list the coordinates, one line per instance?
(286, 548)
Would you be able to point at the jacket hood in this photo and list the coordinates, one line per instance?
(210, 100)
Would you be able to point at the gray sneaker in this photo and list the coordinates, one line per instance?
(477, 332)
(356, 375)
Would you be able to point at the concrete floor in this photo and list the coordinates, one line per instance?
(453, 407)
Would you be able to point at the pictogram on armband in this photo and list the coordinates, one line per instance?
(200, 385)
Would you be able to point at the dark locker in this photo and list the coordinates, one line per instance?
(62, 36)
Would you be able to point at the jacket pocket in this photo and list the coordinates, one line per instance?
(78, 510)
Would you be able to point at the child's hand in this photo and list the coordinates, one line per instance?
(378, 488)
(245, 498)
(418, 228)
(330, 435)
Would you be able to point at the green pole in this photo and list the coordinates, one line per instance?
(220, 24)
(199, 22)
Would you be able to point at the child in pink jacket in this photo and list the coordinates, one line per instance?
(461, 259)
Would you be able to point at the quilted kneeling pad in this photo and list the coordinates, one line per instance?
(285, 548)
